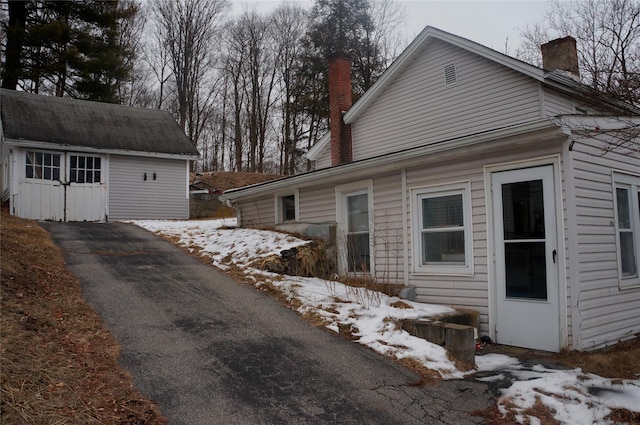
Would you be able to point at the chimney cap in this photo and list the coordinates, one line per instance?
(339, 55)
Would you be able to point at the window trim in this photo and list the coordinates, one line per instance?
(631, 182)
(342, 192)
(51, 167)
(420, 193)
(84, 169)
(279, 211)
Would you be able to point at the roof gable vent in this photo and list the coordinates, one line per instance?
(450, 76)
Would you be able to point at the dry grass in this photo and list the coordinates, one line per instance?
(59, 364)
(620, 361)
(225, 180)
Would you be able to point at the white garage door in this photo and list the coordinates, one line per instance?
(62, 186)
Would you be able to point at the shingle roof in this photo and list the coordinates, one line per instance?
(95, 125)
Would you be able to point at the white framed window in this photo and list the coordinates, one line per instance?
(84, 169)
(354, 216)
(443, 233)
(627, 214)
(287, 207)
(42, 165)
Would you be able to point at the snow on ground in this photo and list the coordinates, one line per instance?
(372, 318)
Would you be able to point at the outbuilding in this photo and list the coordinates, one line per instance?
(72, 160)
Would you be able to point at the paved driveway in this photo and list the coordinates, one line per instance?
(211, 351)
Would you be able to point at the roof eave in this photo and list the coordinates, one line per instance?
(386, 162)
(55, 146)
(316, 150)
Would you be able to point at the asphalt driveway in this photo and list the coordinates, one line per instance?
(211, 351)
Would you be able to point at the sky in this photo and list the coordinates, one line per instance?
(491, 23)
(574, 397)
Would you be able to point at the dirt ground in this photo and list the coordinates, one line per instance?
(60, 365)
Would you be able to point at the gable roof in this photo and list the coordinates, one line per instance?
(552, 79)
(84, 124)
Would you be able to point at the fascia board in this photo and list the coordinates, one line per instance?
(75, 148)
(316, 150)
(596, 123)
(382, 163)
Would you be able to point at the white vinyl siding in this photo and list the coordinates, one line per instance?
(418, 108)
(607, 312)
(466, 291)
(556, 103)
(163, 195)
(318, 205)
(258, 213)
(387, 229)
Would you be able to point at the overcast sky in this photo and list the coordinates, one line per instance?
(487, 22)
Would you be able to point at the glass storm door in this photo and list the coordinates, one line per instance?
(526, 258)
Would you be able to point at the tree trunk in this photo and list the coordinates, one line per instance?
(15, 37)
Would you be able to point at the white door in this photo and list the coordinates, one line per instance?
(86, 192)
(41, 194)
(526, 258)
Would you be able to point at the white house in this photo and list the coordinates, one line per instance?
(72, 160)
(483, 182)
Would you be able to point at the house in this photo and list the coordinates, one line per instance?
(483, 182)
(71, 160)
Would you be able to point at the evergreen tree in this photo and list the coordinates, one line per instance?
(71, 48)
(347, 26)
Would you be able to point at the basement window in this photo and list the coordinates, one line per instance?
(287, 208)
(450, 75)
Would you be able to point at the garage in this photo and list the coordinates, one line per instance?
(72, 160)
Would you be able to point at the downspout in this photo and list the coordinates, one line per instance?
(405, 230)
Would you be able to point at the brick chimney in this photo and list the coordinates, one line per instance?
(561, 54)
(339, 103)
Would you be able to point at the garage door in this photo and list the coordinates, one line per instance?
(62, 186)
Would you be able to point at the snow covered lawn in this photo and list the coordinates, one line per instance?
(372, 318)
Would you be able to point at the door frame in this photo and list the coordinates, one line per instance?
(555, 161)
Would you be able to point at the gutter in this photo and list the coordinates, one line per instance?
(385, 162)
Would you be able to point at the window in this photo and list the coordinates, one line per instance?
(627, 212)
(443, 234)
(358, 257)
(43, 165)
(287, 207)
(84, 169)
(354, 218)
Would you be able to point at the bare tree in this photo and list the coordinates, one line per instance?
(136, 90)
(187, 30)
(288, 27)
(236, 52)
(607, 33)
